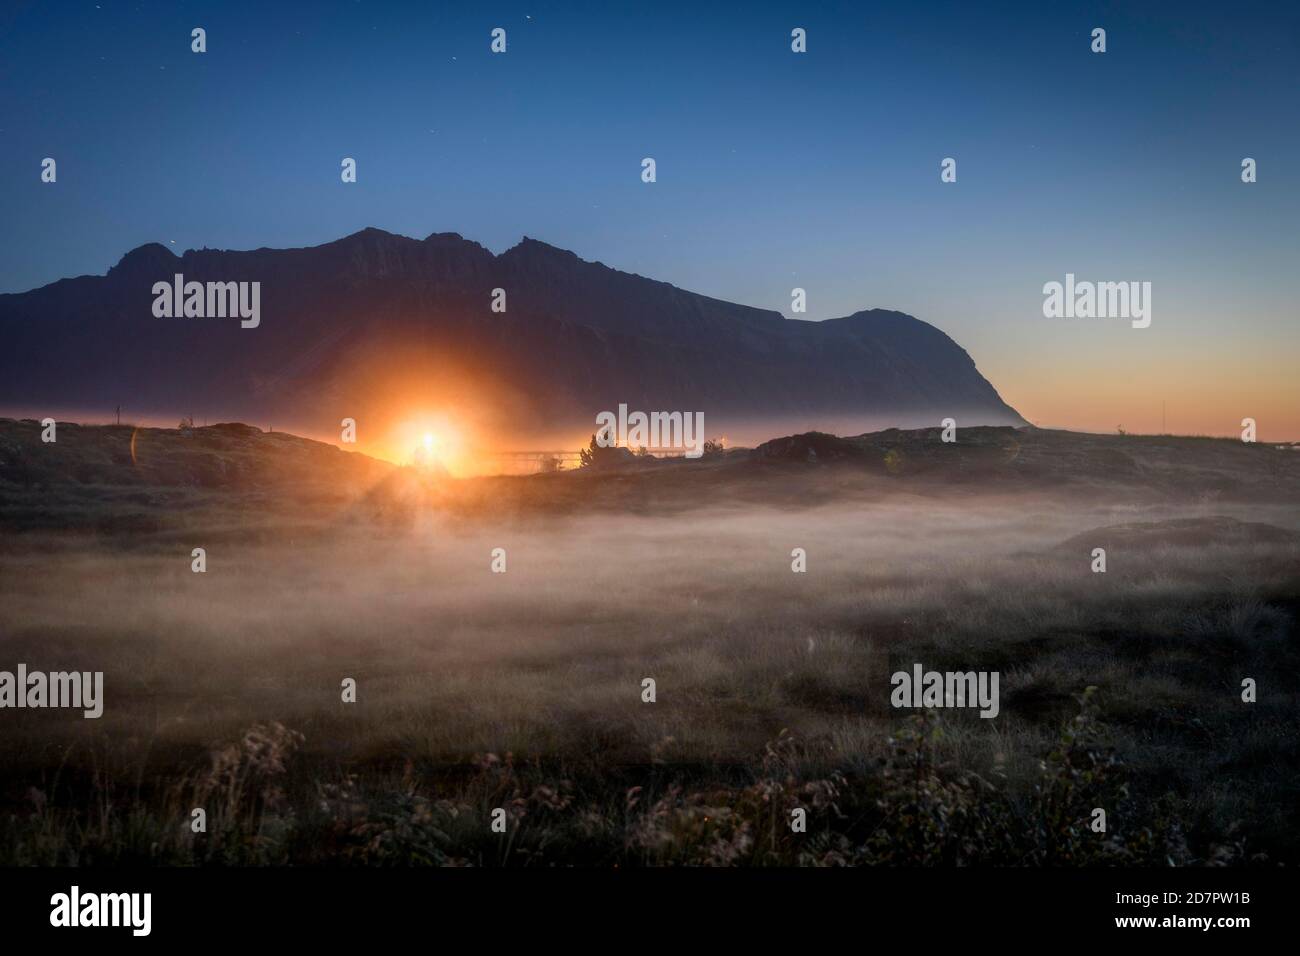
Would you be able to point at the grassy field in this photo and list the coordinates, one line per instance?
(523, 690)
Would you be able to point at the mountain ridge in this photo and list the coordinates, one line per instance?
(374, 319)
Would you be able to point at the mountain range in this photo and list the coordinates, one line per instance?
(375, 324)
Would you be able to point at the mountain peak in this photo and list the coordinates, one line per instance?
(531, 248)
(151, 257)
(371, 233)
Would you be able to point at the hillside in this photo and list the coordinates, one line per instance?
(115, 477)
(121, 478)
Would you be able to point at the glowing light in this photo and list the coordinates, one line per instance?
(431, 438)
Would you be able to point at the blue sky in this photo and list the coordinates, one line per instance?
(775, 170)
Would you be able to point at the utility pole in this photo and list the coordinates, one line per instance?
(1164, 429)
(119, 414)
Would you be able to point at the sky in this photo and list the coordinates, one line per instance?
(775, 170)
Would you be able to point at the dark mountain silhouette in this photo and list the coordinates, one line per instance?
(374, 324)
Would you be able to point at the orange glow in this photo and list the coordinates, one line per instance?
(427, 437)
